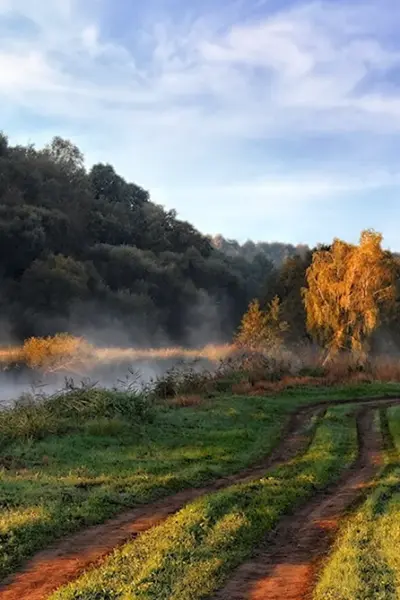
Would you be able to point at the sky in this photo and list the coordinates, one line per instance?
(272, 120)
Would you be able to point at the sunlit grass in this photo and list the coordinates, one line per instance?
(365, 562)
(80, 478)
(106, 465)
(191, 554)
(20, 518)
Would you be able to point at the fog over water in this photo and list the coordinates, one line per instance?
(121, 368)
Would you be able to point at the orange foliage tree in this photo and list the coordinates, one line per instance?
(261, 329)
(348, 289)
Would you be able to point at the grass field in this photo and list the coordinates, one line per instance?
(365, 563)
(189, 556)
(58, 484)
(55, 483)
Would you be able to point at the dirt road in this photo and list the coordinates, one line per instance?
(284, 570)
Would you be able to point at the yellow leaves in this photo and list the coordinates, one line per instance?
(259, 329)
(348, 287)
(252, 327)
(54, 353)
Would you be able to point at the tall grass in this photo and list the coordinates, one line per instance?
(35, 415)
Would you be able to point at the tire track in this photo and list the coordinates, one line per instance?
(65, 560)
(287, 564)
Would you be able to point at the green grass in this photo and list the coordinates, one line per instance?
(365, 562)
(61, 483)
(53, 486)
(394, 426)
(191, 554)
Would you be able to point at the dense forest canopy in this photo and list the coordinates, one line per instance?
(276, 252)
(86, 250)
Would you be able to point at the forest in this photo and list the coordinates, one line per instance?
(84, 250)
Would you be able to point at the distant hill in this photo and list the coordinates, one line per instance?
(87, 251)
(276, 252)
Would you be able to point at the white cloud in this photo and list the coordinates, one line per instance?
(25, 73)
(185, 91)
(90, 39)
(305, 64)
(301, 207)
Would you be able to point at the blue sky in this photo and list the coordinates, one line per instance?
(259, 119)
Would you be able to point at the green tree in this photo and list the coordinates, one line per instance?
(66, 154)
(51, 285)
(3, 144)
(287, 283)
(95, 244)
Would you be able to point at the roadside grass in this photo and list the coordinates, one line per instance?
(365, 561)
(58, 484)
(110, 458)
(192, 553)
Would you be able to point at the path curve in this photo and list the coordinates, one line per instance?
(287, 564)
(66, 560)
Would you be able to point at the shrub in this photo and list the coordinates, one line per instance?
(35, 416)
(313, 371)
(88, 402)
(182, 379)
(28, 420)
(55, 352)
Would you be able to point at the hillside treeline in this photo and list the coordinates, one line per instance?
(276, 252)
(86, 249)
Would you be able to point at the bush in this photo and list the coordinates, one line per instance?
(89, 402)
(313, 371)
(35, 416)
(55, 352)
(180, 380)
(28, 420)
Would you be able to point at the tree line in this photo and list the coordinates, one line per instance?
(343, 297)
(85, 248)
(276, 252)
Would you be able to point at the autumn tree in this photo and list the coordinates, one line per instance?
(262, 329)
(348, 289)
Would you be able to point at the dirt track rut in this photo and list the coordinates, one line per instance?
(286, 566)
(64, 562)
(67, 559)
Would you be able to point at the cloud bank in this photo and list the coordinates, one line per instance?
(234, 117)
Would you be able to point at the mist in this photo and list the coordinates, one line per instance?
(117, 341)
